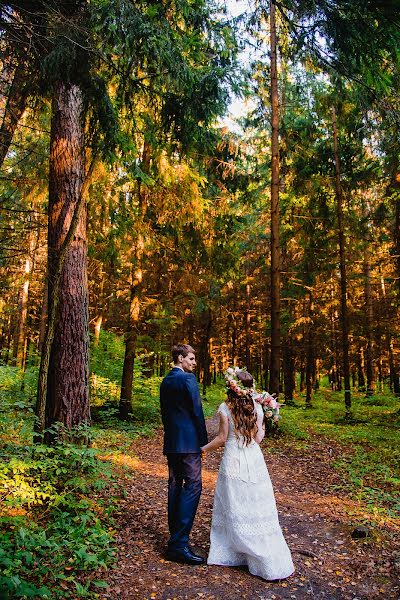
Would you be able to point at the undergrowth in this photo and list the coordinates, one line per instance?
(55, 519)
(369, 439)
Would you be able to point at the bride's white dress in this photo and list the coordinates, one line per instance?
(245, 528)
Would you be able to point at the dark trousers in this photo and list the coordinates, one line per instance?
(184, 489)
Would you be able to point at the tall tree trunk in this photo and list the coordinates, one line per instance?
(206, 352)
(310, 352)
(233, 337)
(361, 370)
(21, 331)
(43, 316)
(64, 371)
(125, 402)
(275, 219)
(266, 363)
(368, 325)
(393, 371)
(247, 330)
(343, 279)
(288, 369)
(132, 330)
(302, 386)
(393, 192)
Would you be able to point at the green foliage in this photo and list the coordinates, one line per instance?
(54, 522)
(370, 442)
(106, 370)
(216, 394)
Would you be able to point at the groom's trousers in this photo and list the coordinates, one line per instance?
(184, 489)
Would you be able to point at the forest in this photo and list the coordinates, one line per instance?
(134, 214)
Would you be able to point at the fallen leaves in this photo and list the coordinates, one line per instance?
(314, 519)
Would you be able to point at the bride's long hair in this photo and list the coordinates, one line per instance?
(242, 408)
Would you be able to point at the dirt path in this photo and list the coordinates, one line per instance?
(329, 564)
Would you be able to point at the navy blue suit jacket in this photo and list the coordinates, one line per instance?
(182, 413)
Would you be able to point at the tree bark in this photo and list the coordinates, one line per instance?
(43, 316)
(21, 332)
(393, 192)
(288, 369)
(63, 389)
(368, 325)
(310, 352)
(343, 278)
(206, 352)
(247, 330)
(125, 402)
(275, 218)
(361, 370)
(393, 371)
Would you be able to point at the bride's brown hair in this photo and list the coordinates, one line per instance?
(242, 408)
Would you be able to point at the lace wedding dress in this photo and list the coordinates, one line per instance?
(245, 528)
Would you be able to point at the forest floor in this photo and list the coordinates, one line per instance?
(316, 513)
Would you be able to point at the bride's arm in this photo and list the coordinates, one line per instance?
(220, 439)
(260, 427)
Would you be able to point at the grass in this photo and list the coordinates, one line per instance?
(370, 440)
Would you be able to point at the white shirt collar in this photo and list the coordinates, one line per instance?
(178, 367)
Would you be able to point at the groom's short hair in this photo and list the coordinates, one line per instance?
(182, 349)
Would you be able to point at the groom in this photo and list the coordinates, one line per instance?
(184, 433)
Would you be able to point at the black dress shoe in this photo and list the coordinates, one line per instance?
(185, 556)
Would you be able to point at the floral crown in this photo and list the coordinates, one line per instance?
(270, 404)
(233, 382)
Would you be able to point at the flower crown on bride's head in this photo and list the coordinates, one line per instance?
(233, 382)
(270, 405)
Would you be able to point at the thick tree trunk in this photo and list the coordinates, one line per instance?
(67, 341)
(343, 278)
(275, 218)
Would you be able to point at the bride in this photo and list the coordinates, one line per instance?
(245, 528)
